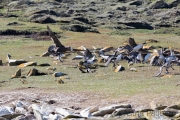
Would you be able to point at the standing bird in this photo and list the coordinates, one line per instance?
(168, 63)
(89, 60)
(58, 49)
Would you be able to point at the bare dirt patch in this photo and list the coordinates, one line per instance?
(82, 99)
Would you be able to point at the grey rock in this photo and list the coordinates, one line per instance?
(38, 115)
(170, 112)
(55, 117)
(177, 107)
(136, 24)
(4, 111)
(11, 116)
(20, 110)
(88, 111)
(155, 115)
(158, 4)
(46, 109)
(122, 111)
(174, 3)
(116, 106)
(63, 111)
(103, 112)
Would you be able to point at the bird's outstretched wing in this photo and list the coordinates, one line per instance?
(131, 42)
(54, 38)
(87, 54)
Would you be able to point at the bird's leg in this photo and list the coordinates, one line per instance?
(114, 64)
(88, 69)
(59, 57)
(172, 68)
(167, 70)
(160, 71)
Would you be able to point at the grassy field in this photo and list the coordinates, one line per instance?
(104, 80)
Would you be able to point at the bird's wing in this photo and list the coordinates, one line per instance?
(87, 54)
(54, 38)
(132, 42)
(108, 61)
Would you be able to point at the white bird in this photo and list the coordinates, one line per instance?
(161, 59)
(78, 57)
(146, 58)
(137, 48)
(12, 62)
(139, 57)
(115, 59)
(167, 65)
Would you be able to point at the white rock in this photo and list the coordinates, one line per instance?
(20, 110)
(38, 115)
(116, 106)
(19, 104)
(87, 112)
(36, 107)
(55, 117)
(10, 109)
(46, 109)
(4, 111)
(104, 112)
(63, 111)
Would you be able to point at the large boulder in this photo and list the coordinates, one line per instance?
(42, 19)
(79, 28)
(158, 4)
(137, 24)
(174, 3)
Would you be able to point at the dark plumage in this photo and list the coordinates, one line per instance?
(58, 49)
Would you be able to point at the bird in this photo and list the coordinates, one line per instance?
(57, 49)
(89, 60)
(14, 62)
(115, 58)
(168, 63)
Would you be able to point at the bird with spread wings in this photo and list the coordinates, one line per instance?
(57, 49)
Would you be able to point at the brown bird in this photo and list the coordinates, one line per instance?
(58, 49)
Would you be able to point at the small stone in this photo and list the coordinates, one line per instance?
(35, 72)
(58, 74)
(45, 54)
(1, 63)
(119, 68)
(27, 64)
(17, 74)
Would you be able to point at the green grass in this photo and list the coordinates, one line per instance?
(104, 81)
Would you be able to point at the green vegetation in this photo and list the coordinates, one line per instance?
(104, 81)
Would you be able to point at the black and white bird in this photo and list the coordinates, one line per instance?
(89, 60)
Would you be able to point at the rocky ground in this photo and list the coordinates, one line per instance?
(26, 103)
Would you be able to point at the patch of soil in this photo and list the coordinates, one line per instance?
(81, 99)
